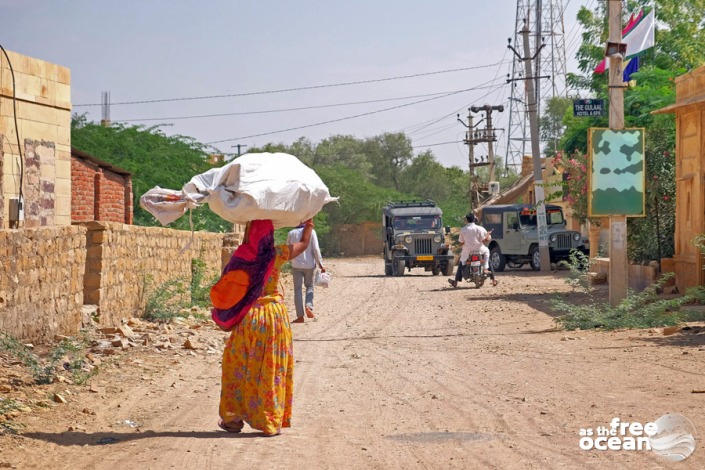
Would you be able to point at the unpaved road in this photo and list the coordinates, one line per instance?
(393, 373)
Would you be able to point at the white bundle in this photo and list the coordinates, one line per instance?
(275, 186)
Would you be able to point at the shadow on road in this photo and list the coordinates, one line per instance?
(686, 337)
(107, 438)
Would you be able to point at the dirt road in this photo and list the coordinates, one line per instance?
(393, 373)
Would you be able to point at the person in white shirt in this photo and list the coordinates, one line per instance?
(303, 268)
(473, 238)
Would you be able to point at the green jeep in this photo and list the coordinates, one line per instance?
(414, 237)
(515, 239)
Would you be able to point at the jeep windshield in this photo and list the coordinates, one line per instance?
(527, 217)
(421, 222)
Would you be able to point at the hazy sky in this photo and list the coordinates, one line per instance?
(280, 57)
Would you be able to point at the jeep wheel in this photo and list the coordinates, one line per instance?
(535, 258)
(497, 259)
(435, 270)
(398, 266)
(448, 268)
(387, 268)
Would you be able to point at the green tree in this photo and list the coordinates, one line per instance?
(389, 155)
(153, 158)
(551, 125)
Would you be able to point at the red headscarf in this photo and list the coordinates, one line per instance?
(243, 278)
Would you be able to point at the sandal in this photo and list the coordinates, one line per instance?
(495, 282)
(232, 426)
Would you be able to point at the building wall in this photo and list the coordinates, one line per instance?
(98, 193)
(690, 174)
(83, 190)
(42, 107)
(361, 239)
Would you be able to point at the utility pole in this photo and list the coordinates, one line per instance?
(238, 148)
(473, 137)
(471, 157)
(618, 272)
(542, 226)
(490, 134)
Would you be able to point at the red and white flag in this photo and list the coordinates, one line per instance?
(638, 35)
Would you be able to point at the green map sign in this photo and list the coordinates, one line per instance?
(616, 172)
(588, 108)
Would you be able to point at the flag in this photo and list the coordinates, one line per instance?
(638, 35)
(630, 67)
(602, 66)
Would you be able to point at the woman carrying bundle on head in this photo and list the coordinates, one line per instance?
(258, 364)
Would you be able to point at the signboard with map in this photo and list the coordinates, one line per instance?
(616, 169)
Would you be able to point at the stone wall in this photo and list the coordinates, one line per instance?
(41, 104)
(47, 274)
(41, 281)
(125, 261)
(360, 239)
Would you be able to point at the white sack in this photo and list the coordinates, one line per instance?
(275, 186)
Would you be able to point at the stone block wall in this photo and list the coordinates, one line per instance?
(41, 281)
(41, 104)
(47, 274)
(125, 262)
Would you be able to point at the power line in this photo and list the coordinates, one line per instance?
(303, 108)
(284, 90)
(437, 144)
(339, 119)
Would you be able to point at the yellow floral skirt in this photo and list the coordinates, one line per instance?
(258, 370)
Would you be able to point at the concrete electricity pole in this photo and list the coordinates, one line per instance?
(490, 133)
(542, 226)
(473, 137)
(618, 272)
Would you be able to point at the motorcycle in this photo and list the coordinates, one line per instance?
(473, 270)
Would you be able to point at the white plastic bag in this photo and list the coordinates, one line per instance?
(274, 186)
(322, 279)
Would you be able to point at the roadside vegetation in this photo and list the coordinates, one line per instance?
(66, 356)
(583, 310)
(177, 297)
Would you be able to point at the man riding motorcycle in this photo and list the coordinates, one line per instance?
(473, 238)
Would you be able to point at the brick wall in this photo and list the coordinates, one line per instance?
(99, 191)
(82, 190)
(111, 200)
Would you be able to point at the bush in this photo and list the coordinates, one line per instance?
(67, 353)
(637, 310)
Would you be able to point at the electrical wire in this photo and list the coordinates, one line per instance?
(285, 90)
(17, 128)
(245, 113)
(339, 119)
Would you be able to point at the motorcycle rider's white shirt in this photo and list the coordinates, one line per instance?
(471, 236)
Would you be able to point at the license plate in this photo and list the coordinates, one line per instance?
(474, 263)
(424, 258)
